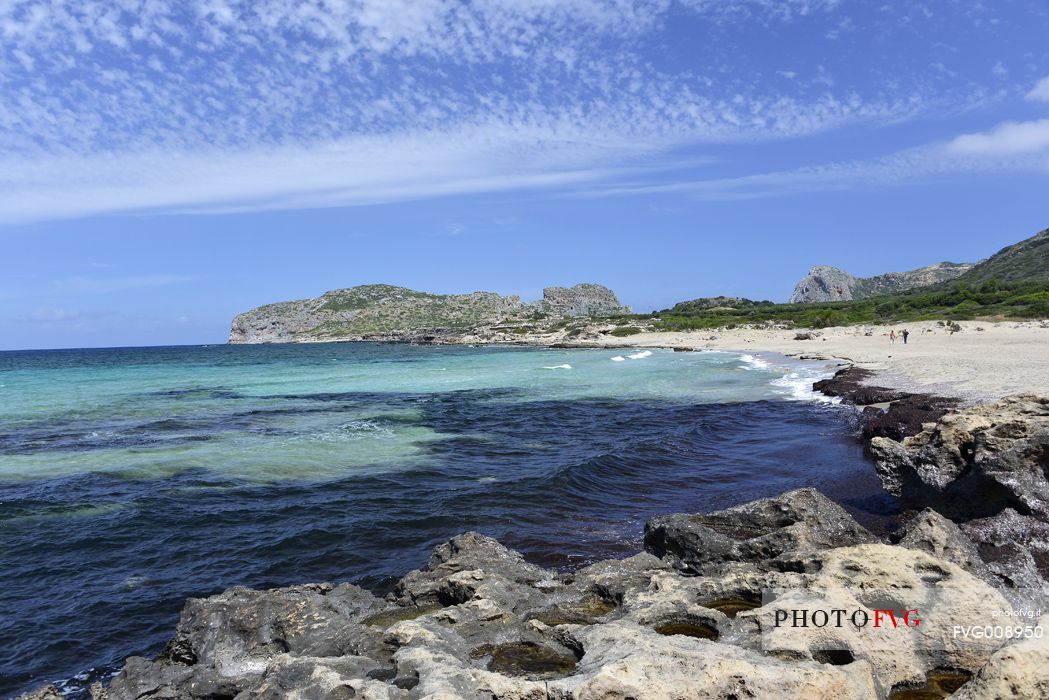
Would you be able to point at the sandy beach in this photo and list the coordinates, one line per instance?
(983, 362)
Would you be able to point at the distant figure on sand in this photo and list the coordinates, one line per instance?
(905, 334)
(892, 336)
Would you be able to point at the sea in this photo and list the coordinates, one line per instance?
(133, 478)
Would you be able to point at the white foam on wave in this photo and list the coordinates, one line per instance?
(795, 378)
(559, 367)
(640, 355)
(618, 358)
(751, 362)
(351, 431)
(796, 385)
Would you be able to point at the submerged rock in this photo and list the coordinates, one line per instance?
(47, 692)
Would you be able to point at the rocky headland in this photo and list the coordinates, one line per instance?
(709, 609)
(387, 313)
(1025, 261)
(826, 283)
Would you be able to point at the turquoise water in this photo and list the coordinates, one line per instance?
(133, 478)
(244, 412)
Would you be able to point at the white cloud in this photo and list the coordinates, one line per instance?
(352, 171)
(229, 105)
(523, 148)
(1008, 138)
(1040, 91)
(906, 167)
(784, 10)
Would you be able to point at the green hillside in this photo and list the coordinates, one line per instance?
(1027, 260)
(1011, 284)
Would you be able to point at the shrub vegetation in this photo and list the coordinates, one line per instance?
(954, 302)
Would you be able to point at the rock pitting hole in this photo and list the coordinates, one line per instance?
(733, 605)
(834, 657)
(700, 630)
(939, 684)
(526, 659)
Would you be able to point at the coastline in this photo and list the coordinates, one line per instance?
(699, 611)
(469, 568)
(981, 363)
(976, 362)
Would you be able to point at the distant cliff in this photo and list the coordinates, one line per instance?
(825, 283)
(386, 312)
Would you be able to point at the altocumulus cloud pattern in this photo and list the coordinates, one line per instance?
(220, 105)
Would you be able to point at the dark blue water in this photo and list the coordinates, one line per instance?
(99, 550)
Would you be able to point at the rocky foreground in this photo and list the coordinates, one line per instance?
(710, 609)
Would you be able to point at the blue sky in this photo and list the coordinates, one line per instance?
(165, 164)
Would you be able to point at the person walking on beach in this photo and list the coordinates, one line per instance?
(892, 336)
(905, 334)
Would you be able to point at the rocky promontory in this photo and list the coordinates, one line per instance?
(386, 312)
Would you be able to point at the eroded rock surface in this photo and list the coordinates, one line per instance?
(692, 617)
(768, 533)
(1017, 671)
(826, 283)
(974, 463)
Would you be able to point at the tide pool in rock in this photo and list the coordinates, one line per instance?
(188, 470)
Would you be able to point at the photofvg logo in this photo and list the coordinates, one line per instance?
(840, 617)
(946, 622)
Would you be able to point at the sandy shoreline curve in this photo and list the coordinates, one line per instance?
(982, 362)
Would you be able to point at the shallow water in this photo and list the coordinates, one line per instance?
(133, 478)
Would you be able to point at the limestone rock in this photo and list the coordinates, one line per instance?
(478, 622)
(825, 283)
(932, 533)
(447, 578)
(1014, 548)
(628, 661)
(225, 643)
(874, 577)
(1017, 671)
(974, 463)
(585, 299)
(767, 532)
(386, 312)
(289, 677)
